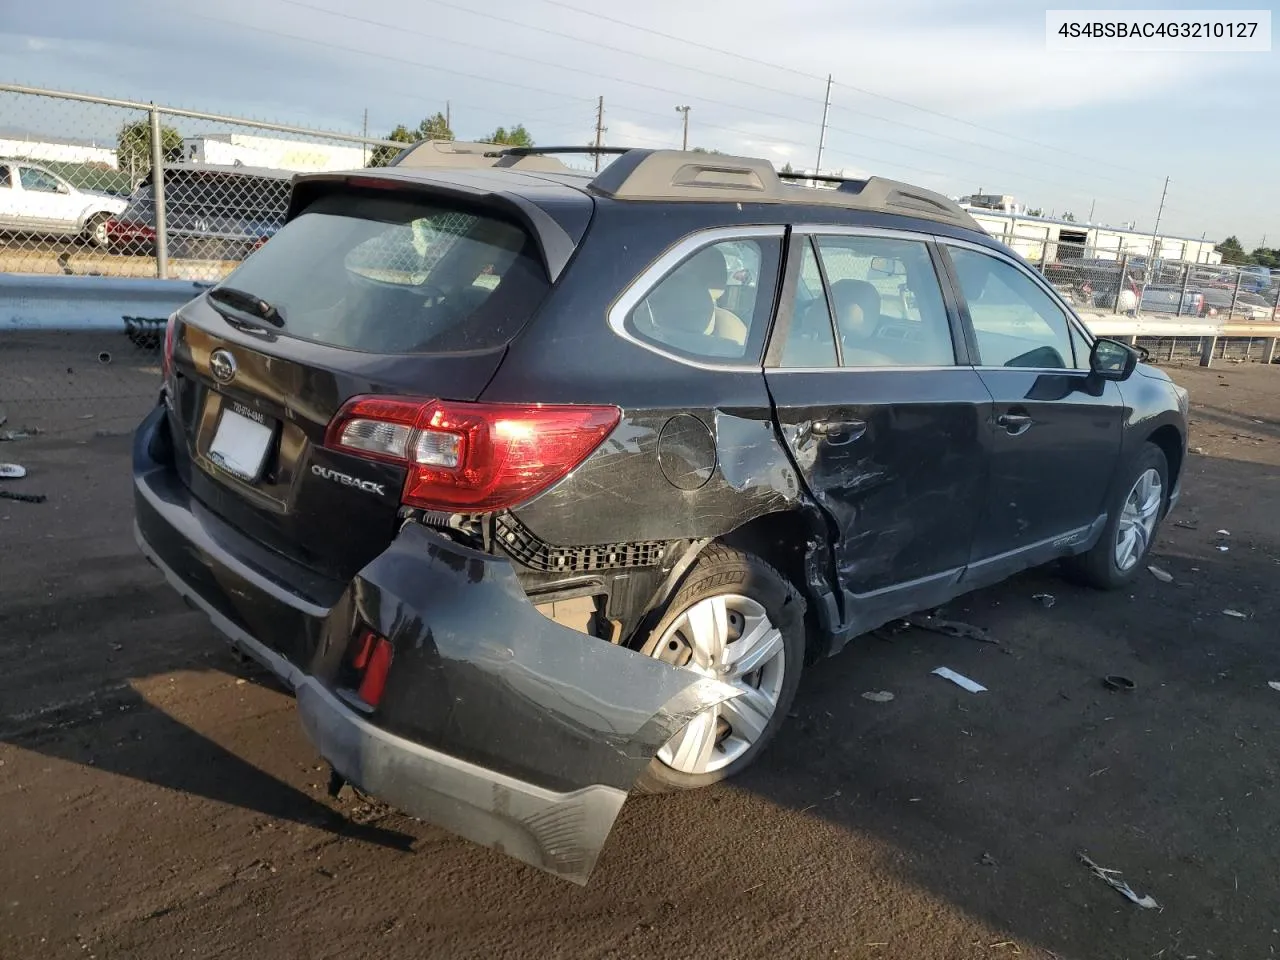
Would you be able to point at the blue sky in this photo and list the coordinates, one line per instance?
(956, 96)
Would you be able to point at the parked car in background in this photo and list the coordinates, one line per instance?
(1255, 279)
(211, 213)
(538, 486)
(1188, 303)
(35, 200)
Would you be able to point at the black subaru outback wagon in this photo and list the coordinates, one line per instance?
(538, 487)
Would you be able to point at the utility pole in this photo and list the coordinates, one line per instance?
(1155, 234)
(685, 142)
(1092, 203)
(822, 137)
(448, 115)
(600, 128)
(364, 147)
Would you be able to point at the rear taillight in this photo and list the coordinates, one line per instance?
(470, 457)
(166, 362)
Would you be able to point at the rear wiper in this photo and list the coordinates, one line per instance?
(247, 303)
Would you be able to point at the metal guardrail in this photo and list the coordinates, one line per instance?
(104, 304)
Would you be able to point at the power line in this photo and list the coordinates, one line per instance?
(811, 76)
(724, 103)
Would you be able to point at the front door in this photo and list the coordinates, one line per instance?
(1055, 431)
(43, 202)
(886, 426)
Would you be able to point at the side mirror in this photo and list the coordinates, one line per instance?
(1112, 360)
(63, 188)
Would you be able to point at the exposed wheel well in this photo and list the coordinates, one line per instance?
(1169, 440)
(782, 540)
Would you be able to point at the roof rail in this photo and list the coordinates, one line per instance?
(686, 175)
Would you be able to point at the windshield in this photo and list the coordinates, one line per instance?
(396, 276)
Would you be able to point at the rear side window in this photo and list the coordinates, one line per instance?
(715, 304)
(397, 276)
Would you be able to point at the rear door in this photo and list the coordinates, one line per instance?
(374, 296)
(1055, 431)
(882, 414)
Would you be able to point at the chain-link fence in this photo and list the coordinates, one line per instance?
(116, 188)
(1137, 275)
(91, 186)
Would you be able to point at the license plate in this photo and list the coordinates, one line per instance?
(240, 443)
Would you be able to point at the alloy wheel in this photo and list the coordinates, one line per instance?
(731, 638)
(1138, 519)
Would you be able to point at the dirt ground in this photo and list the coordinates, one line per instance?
(158, 799)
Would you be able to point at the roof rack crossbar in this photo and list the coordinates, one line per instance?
(539, 151)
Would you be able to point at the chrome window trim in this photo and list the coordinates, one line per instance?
(844, 230)
(657, 271)
(1067, 310)
(881, 368)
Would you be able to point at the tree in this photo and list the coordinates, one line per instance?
(1035, 212)
(133, 146)
(1231, 251)
(1069, 217)
(1264, 257)
(434, 128)
(517, 136)
(705, 150)
(383, 155)
(786, 167)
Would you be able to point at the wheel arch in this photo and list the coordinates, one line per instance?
(795, 543)
(1170, 441)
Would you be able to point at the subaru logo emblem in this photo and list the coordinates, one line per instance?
(222, 365)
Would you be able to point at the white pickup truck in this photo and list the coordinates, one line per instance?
(36, 200)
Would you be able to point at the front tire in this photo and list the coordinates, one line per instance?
(739, 620)
(1133, 520)
(95, 231)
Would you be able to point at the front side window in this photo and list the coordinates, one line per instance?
(4, 177)
(888, 302)
(1017, 324)
(715, 305)
(37, 180)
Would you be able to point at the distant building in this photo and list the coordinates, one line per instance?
(231, 149)
(52, 151)
(1049, 239)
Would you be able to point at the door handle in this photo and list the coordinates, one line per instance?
(839, 431)
(1015, 424)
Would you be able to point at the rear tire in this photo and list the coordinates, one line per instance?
(1133, 521)
(736, 618)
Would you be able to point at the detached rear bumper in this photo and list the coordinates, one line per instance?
(560, 832)
(495, 722)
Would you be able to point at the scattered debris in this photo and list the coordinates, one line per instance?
(1198, 450)
(1114, 681)
(959, 680)
(1112, 878)
(878, 696)
(1223, 549)
(987, 860)
(1235, 613)
(1046, 600)
(12, 471)
(951, 628)
(1164, 576)
(1185, 525)
(1224, 533)
(1274, 685)
(24, 497)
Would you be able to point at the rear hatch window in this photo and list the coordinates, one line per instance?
(382, 275)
